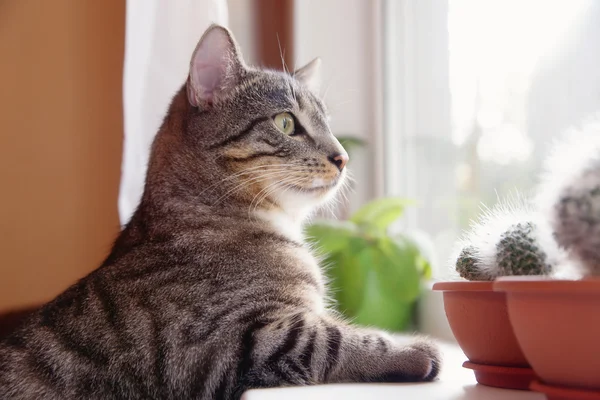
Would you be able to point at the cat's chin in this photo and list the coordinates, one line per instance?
(302, 201)
(319, 189)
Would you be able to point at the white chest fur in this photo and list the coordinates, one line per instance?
(302, 257)
(283, 224)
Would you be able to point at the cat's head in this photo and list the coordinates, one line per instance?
(259, 138)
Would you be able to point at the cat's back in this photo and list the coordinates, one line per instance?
(211, 250)
(182, 290)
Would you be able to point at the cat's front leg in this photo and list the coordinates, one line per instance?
(368, 355)
(303, 349)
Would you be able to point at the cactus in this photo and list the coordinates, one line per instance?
(519, 253)
(577, 220)
(569, 195)
(467, 267)
(507, 240)
(523, 238)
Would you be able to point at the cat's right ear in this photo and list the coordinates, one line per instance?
(216, 67)
(310, 75)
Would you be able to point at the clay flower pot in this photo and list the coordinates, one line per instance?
(479, 320)
(557, 323)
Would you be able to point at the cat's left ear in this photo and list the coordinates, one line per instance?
(216, 67)
(310, 75)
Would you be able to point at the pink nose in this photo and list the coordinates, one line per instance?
(339, 160)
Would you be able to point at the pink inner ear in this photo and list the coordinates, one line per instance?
(210, 64)
(208, 79)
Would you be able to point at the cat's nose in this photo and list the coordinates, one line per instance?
(339, 160)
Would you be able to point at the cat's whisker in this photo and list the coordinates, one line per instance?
(269, 175)
(344, 191)
(344, 195)
(268, 190)
(281, 54)
(275, 187)
(328, 209)
(249, 181)
(258, 167)
(249, 171)
(349, 177)
(250, 209)
(328, 87)
(288, 186)
(240, 183)
(337, 203)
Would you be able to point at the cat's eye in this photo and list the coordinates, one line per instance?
(285, 123)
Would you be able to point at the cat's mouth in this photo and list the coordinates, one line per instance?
(319, 188)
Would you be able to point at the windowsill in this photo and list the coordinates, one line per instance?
(455, 383)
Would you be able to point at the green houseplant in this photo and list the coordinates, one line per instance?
(375, 275)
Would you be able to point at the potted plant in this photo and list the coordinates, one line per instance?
(375, 275)
(557, 321)
(506, 241)
(553, 313)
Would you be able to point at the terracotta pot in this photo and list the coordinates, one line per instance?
(557, 324)
(479, 320)
(564, 393)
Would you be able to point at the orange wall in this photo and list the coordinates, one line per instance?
(61, 65)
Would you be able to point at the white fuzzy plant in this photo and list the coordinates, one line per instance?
(558, 233)
(569, 195)
(509, 239)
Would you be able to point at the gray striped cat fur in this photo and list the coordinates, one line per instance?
(210, 290)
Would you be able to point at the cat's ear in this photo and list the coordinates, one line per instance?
(310, 75)
(216, 66)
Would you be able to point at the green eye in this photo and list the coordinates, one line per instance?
(285, 123)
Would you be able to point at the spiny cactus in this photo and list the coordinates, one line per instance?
(569, 195)
(577, 225)
(519, 253)
(507, 240)
(468, 268)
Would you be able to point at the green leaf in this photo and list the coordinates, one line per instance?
(380, 213)
(398, 273)
(331, 236)
(381, 311)
(424, 267)
(422, 241)
(347, 272)
(425, 247)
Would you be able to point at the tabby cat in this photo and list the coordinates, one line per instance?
(210, 290)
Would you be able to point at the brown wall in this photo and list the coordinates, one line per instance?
(61, 65)
(275, 33)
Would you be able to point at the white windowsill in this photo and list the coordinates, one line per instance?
(455, 383)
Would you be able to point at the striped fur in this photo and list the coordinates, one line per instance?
(209, 290)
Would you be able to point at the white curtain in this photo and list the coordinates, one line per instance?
(160, 38)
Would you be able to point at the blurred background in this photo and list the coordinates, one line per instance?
(455, 102)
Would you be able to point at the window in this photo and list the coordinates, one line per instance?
(475, 91)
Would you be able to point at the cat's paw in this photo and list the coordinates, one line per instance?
(429, 356)
(417, 361)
